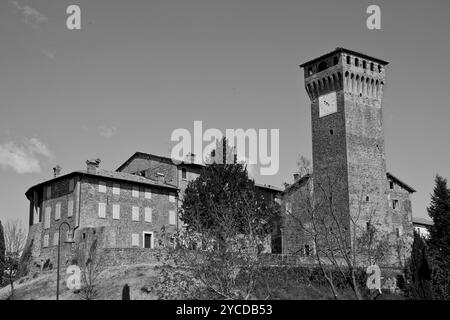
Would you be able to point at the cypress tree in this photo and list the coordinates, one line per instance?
(2, 252)
(439, 211)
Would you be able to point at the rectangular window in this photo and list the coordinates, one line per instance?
(171, 197)
(391, 185)
(183, 173)
(172, 217)
(102, 210)
(46, 238)
(58, 211)
(288, 207)
(398, 231)
(70, 208)
(307, 250)
(71, 185)
(116, 188)
(148, 214)
(135, 192)
(49, 192)
(116, 211)
(394, 204)
(48, 212)
(135, 214)
(101, 186)
(148, 240)
(135, 240)
(55, 238)
(148, 194)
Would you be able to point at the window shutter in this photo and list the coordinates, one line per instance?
(148, 194)
(116, 211)
(46, 240)
(135, 192)
(55, 239)
(58, 211)
(172, 218)
(135, 240)
(70, 208)
(101, 186)
(48, 211)
(171, 197)
(135, 214)
(116, 188)
(148, 214)
(102, 210)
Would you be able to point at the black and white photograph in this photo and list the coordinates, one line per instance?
(225, 155)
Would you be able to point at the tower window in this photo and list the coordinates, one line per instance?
(349, 60)
(183, 173)
(379, 68)
(331, 132)
(367, 198)
(364, 64)
(322, 66)
(335, 60)
(391, 185)
(356, 62)
(367, 226)
(307, 250)
(310, 72)
(372, 66)
(394, 204)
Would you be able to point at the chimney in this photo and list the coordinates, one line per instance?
(192, 157)
(296, 176)
(92, 165)
(160, 177)
(56, 171)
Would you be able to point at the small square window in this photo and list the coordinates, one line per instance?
(101, 186)
(116, 188)
(135, 192)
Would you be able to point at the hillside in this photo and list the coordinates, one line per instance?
(110, 284)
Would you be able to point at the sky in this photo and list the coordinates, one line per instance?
(138, 70)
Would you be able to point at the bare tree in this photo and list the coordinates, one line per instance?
(90, 261)
(15, 238)
(342, 242)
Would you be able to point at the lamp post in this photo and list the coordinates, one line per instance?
(70, 239)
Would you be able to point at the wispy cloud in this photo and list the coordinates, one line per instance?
(107, 131)
(25, 157)
(30, 15)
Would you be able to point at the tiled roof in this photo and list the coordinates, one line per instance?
(424, 221)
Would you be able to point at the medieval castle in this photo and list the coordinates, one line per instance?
(129, 206)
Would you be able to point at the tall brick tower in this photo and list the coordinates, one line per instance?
(346, 90)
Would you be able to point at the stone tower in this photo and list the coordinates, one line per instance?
(346, 90)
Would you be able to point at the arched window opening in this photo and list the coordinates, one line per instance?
(310, 72)
(379, 68)
(349, 60)
(322, 66)
(335, 60)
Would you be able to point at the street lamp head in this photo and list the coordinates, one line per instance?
(70, 238)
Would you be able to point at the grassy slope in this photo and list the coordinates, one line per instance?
(110, 284)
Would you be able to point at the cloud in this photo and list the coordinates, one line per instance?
(30, 15)
(107, 131)
(50, 54)
(25, 157)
